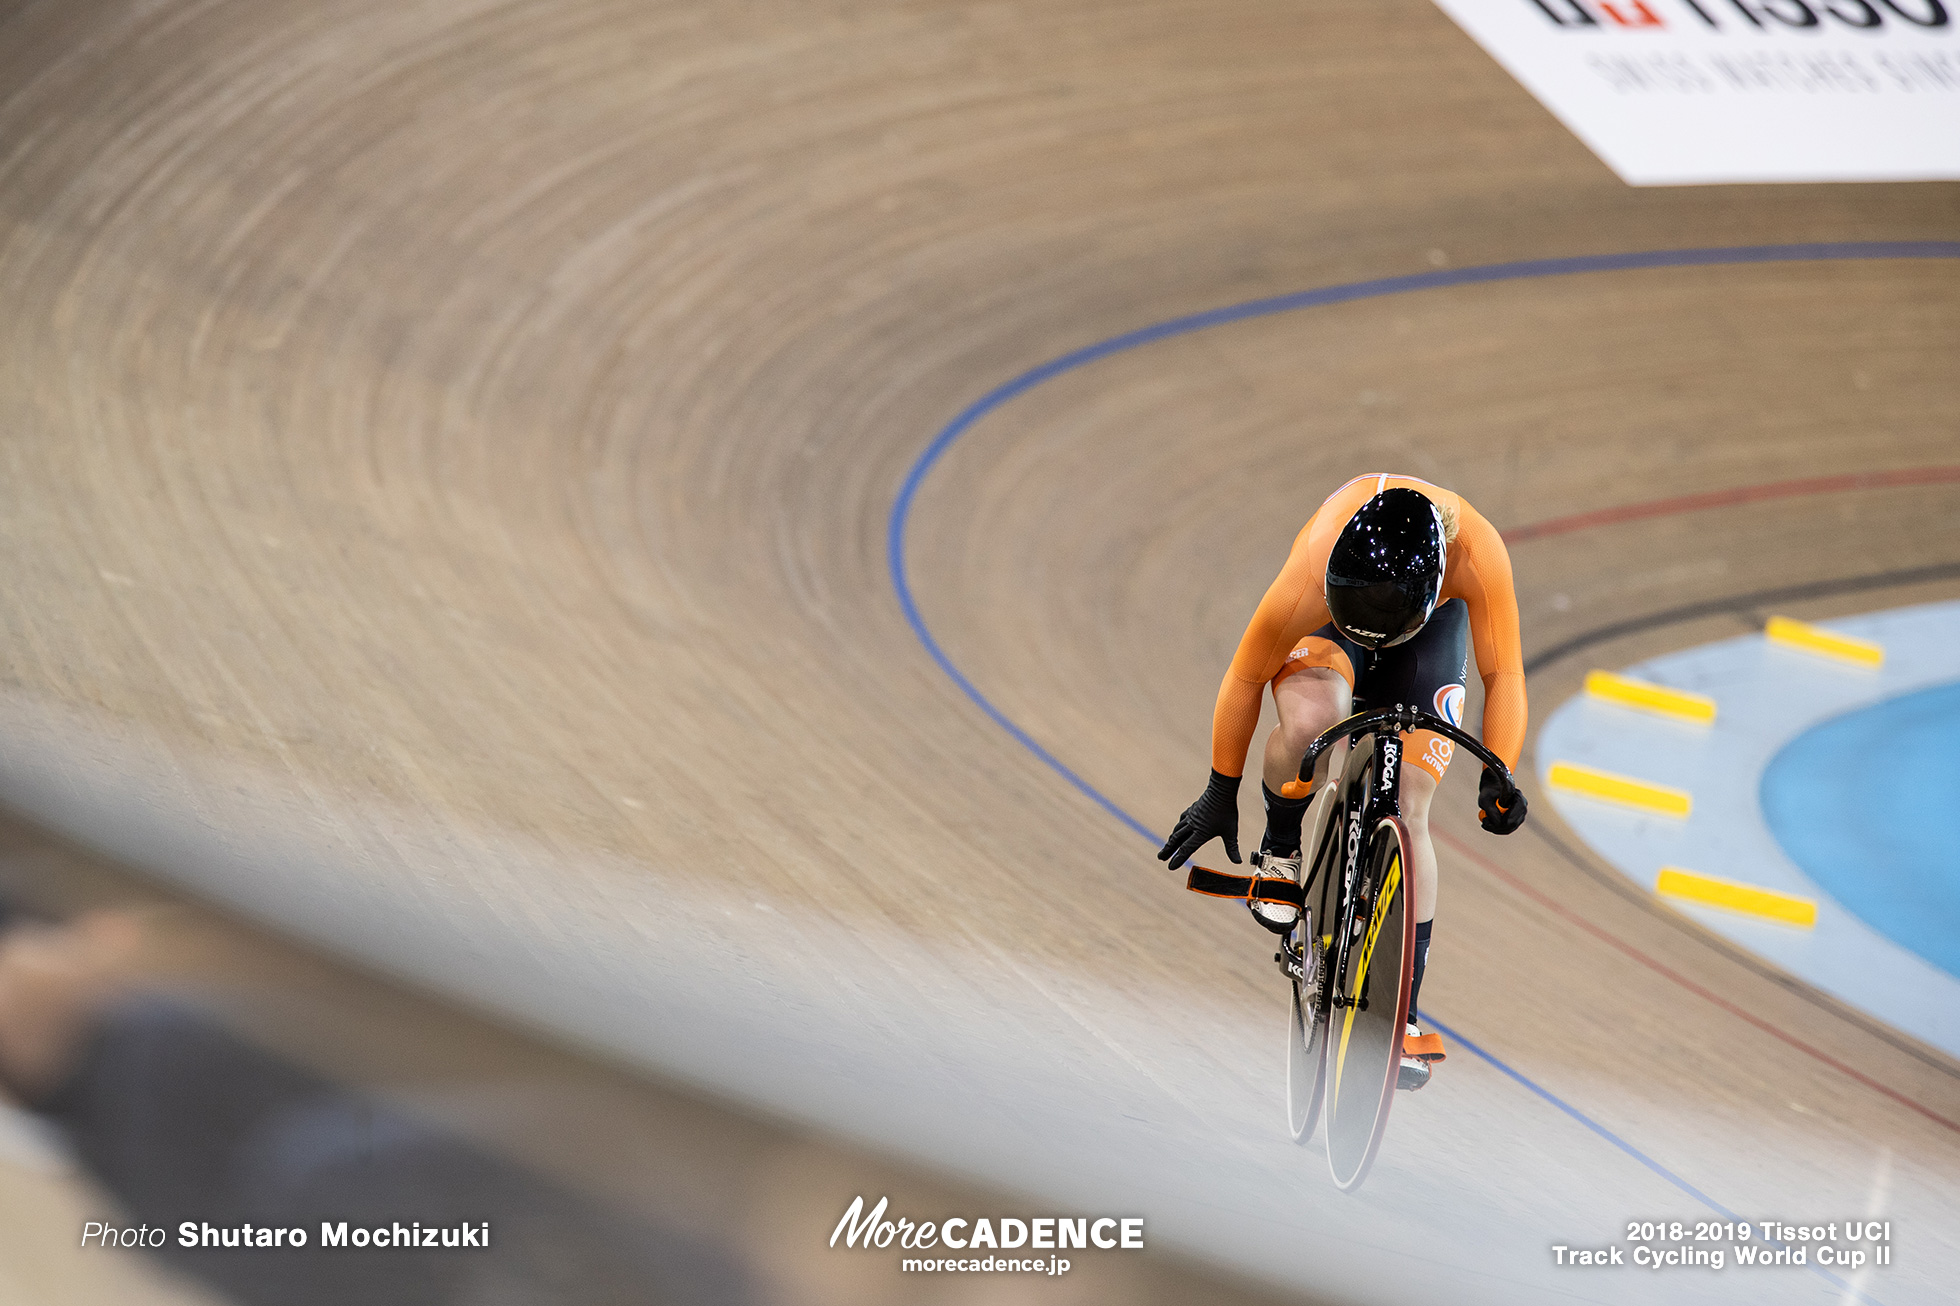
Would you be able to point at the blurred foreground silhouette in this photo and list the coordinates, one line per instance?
(198, 1068)
(183, 1120)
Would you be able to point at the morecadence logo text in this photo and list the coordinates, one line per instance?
(878, 1229)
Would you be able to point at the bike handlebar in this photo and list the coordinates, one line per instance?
(1404, 719)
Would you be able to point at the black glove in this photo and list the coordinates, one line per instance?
(1215, 813)
(1500, 804)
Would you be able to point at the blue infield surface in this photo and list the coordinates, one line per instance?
(1831, 783)
(1865, 803)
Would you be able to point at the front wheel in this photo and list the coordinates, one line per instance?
(1306, 1032)
(1306, 1064)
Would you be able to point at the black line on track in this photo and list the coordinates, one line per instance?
(1740, 605)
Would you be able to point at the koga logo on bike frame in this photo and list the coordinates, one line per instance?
(1391, 753)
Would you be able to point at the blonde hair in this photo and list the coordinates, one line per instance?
(1450, 523)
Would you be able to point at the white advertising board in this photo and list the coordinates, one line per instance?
(1673, 92)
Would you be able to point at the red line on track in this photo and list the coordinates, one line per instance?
(1661, 968)
(1941, 475)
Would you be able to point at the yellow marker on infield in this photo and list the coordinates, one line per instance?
(1731, 896)
(1624, 790)
(1825, 643)
(1641, 696)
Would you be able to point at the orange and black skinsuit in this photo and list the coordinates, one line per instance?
(1286, 633)
(1293, 629)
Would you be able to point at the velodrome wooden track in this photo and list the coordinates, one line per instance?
(448, 456)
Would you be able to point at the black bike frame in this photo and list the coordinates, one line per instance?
(1363, 812)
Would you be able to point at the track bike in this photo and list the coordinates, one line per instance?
(1350, 956)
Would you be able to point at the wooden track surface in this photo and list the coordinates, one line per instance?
(448, 449)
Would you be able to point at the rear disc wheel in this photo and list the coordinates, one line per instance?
(1371, 1010)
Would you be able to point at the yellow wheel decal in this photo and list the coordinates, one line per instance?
(1390, 883)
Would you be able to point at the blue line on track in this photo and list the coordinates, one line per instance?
(901, 513)
(1634, 1152)
(1592, 1124)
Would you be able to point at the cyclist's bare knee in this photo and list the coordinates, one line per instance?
(1309, 701)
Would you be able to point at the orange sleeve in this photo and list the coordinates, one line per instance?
(1293, 606)
(1482, 579)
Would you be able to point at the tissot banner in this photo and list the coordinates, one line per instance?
(1680, 91)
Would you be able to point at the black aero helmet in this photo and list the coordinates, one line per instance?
(1386, 570)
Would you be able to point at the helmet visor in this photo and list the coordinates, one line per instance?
(1376, 614)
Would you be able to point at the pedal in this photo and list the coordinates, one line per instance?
(1412, 1076)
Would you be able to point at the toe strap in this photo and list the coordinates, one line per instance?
(1425, 1047)
(1257, 888)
